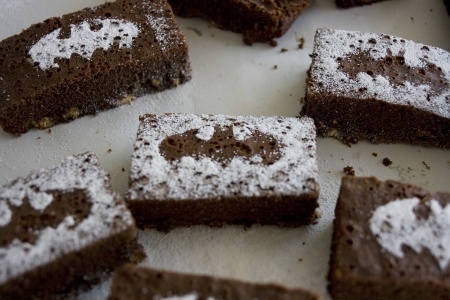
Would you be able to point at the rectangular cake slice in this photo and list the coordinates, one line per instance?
(89, 61)
(258, 21)
(215, 169)
(62, 229)
(380, 88)
(391, 241)
(136, 282)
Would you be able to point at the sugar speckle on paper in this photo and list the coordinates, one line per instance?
(396, 224)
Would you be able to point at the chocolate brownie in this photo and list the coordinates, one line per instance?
(89, 61)
(215, 169)
(258, 21)
(62, 229)
(379, 87)
(352, 3)
(391, 241)
(136, 282)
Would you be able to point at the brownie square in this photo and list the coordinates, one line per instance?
(391, 241)
(89, 61)
(215, 169)
(62, 229)
(258, 21)
(380, 88)
(136, 282)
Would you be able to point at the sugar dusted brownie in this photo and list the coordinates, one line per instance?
(215, 169)
(258, 21)
(135, 282)
(390, 241)
(89, 61)
(380, 88)
(62, 229)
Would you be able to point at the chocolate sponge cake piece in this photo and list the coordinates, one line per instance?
(352, 3)
(62, 229)
(215, 169)
(380, 88)
(391, 241)
(136, 282)
(89, 61)
(258, 21)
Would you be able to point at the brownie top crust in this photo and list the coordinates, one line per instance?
(181, 156)
(66, 49)
(378, 66)
(54, 211)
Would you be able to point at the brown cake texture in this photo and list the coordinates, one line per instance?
(258, 21)
(380, 88)
(215, 169)
(352, 3)
(62, 230)
(89, 61)
(391, 240)
(136, 282)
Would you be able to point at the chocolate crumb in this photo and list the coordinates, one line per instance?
(426, 165)
(349, 171)
(283, 50)
(387, 162)
(275, 67)
(375, 154)
(301, 43)
(273, 43)
(123, 169)
(109, 150)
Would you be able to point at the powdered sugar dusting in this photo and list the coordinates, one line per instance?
(83, 41)
(154, 177)
(396, 224)
(192, 296)
(163, 29)
(108, 214)
(331, 45)
(205, 133)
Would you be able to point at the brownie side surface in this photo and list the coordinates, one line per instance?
(377, 87)
(363, 266)
(89, 61)
(135, 282)
(62, 229)
(258, 21)
(223, 169)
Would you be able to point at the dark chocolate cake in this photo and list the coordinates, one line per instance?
(214, 170)
(62, 229)
(391, 241)
(258, 21)
(89, 61)
(133, 282)
(380, 88)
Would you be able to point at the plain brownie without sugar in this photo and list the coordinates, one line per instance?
(137, 282)
(215, 170)
(391, 240)
(380, 88)
(258, 21)
(62, 230)
(89, 61)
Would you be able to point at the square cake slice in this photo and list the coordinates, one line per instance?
(258, 21)
(136, 282)
(380, 88)
(62, 229)
(391, 241)
(89, 61)
(215, 169)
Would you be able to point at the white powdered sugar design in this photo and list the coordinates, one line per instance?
(205, 133)
(83, 41)
(107, 215)
(192, 296)
(163, 29)
(332, 44)
(396, 224)
(295, 173)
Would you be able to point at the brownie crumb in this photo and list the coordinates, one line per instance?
(375, 154)
(349, 171)
(123, 169)
(275, 67)
(426, 165)
(283, 50)
(301, 43)
(387, 162)
(273, 43)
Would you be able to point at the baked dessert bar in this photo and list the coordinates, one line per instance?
(258, 21)
(89, 61)
(380, 88)
(352, 3)
(215, 169)
(62, 229)
(136, 282)
(391, 241)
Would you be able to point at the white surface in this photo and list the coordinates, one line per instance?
(232, 78)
